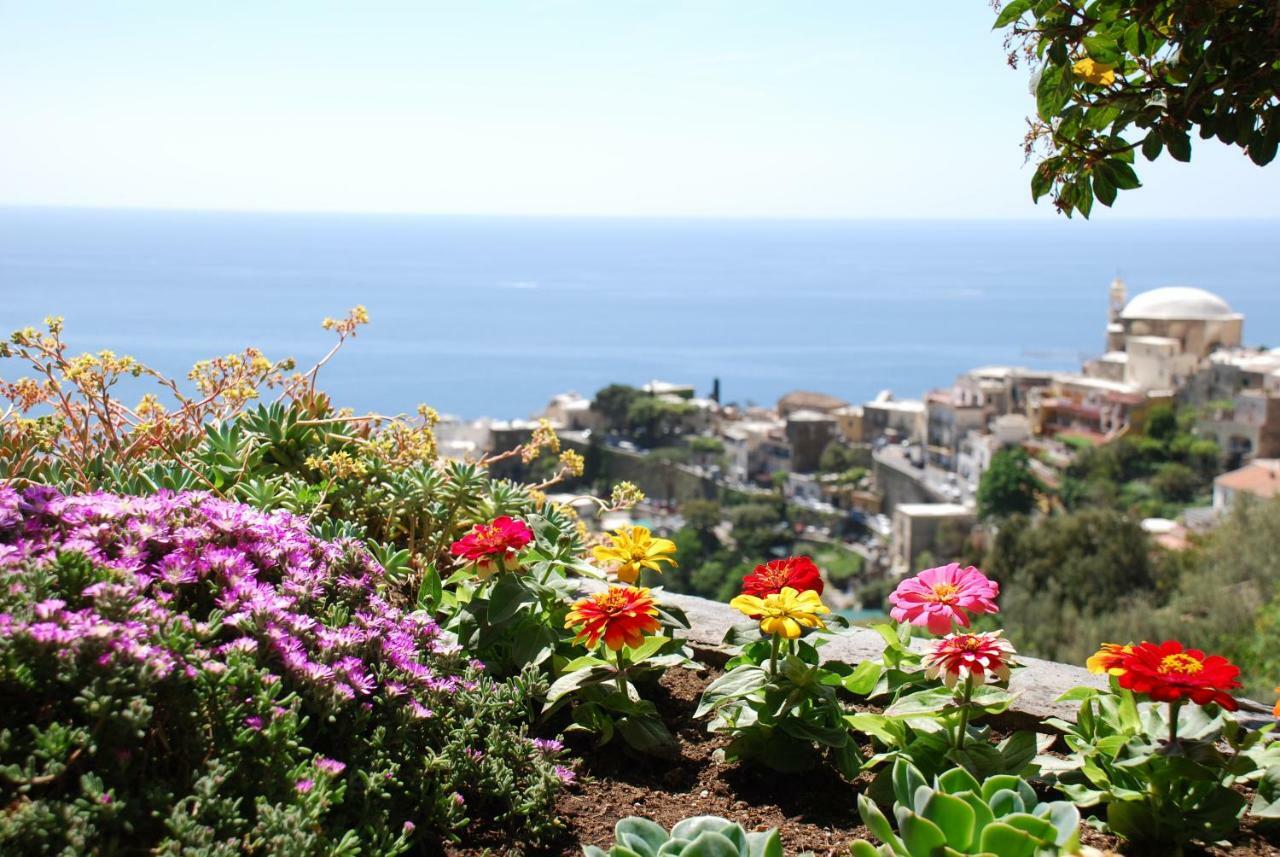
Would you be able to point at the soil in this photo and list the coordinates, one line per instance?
(814, 812)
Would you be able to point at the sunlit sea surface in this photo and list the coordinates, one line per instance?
(492, 316)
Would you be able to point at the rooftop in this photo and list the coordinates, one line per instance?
(1178, 302)
(1260, 478)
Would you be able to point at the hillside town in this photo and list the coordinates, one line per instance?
(889, 478)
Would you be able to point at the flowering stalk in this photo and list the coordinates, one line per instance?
(966, 700)
(773, 655)
(622, 672)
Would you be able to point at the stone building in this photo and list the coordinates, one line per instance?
(808, 433)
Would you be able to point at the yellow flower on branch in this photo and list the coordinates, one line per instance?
(1092, 71)
(632, 549)
(784, 614)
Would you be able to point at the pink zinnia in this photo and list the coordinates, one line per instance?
(937, 597)
(959, 658)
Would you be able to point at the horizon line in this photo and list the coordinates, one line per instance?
(1032, 216)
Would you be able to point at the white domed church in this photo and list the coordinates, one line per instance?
(1156, 340)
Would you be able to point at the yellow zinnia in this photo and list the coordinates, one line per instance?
(1095, 72)
(784, 613)
(1109, 659)
(632, 549)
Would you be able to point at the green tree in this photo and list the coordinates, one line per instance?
(613, 403)
(1162, 423)
(759, 530)
(1066, 568)
(1008, 487)
(1176, 483)
(840, 457)
(1115, 76)
(652, 421)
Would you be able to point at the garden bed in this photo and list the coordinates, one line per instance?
(815, 812)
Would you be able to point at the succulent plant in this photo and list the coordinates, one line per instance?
(957, 815)
(700, 836)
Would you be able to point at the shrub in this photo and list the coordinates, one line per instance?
(182, 672)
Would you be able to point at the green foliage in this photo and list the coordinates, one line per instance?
(958, 815)
(653, 421)
(613, 403)
(699, 836)
(780, 709)
(1008, 487)
(602, 693)
(1055, 575)
(840, 457)
(1161, 793)
(1113, 77)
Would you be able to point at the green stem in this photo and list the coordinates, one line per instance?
(621, 677)
(773, 655)
(1173, 721)
(963, 728)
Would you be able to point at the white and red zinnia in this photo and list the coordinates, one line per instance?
(938, 598)
(961, 658)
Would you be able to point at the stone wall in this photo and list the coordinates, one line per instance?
(1038, 683)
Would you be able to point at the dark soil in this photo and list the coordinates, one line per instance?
(814, 812)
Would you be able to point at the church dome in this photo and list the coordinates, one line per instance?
(1178, 302)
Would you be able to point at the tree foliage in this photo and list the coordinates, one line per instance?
(1116, 76)
(1008, 487)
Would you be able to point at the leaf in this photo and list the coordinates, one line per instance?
(571, 682)
(692, 827)
(920, 835)
(640, 835)
(649, 646)
(1120, 174)
(875, 821)
(764, 843)
(1007, 841)
(952, 816)
(863, 679)
(1103, 189)
(1051, 94)
(648, 735)
(932, 701)
(958, 780)
(710, 844)
(906, 780)
(507, 597)
(1017, 751)
(735, 684)
(1011, 13)
(1177, 142)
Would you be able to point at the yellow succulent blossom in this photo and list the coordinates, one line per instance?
(1097, 73)
(625, 495)
(632, 549)
(573, 462)
(783, 614)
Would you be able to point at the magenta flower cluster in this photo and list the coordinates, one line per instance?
(225, 580)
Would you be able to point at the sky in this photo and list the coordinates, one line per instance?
(743, 108)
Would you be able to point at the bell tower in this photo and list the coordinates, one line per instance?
(1115, 327)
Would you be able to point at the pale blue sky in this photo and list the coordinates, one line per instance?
(810, 108)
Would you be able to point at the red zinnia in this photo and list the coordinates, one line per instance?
(798, 572)
(494, 546)
(1166, 672)
(622, 615)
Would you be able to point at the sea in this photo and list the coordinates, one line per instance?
(492, 316)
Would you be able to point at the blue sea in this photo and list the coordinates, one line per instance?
(492, 316)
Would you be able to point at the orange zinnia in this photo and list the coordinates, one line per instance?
(622, 615)
(1109, 659)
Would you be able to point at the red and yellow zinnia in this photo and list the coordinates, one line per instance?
(1167, 672)
(621, 615)
(1109, 659)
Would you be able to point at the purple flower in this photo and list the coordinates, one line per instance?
(332, 767)
(304, 786)
(565, 774)
(548, 746)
